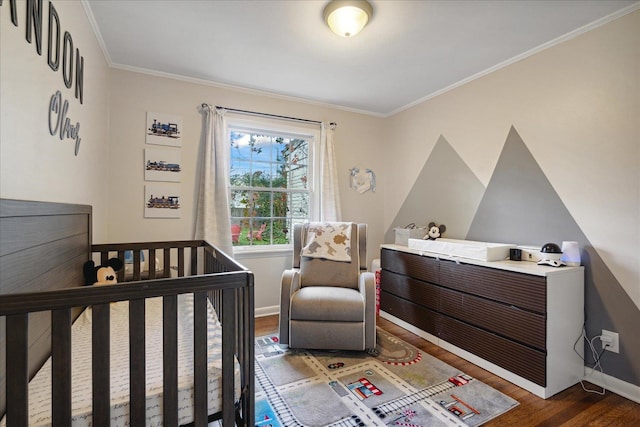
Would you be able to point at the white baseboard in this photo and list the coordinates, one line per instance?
(613, 384)
(267, 311)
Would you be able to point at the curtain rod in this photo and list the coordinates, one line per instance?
(275, 116)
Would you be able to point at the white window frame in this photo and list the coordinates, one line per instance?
(286, 128)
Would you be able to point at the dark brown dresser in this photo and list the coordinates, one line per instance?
(514, 318)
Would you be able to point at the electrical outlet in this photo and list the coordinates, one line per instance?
(610, 341)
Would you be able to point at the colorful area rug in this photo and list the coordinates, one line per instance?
(397, 385)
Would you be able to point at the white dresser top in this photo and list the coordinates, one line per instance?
(525, 267)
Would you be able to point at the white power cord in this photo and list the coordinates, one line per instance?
(596, 358)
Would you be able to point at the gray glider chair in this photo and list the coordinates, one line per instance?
(325, 303)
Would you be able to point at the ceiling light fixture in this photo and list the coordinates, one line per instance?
(347, 18)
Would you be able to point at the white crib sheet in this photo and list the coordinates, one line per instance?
(40, 385)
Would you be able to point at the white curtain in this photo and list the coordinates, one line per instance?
(213, 222)
(329, 191)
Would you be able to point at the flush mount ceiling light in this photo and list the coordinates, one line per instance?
(347, 18)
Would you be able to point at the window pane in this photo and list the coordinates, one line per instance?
(280, 204)
(239, 203)
(240, 148)
(281, 231)
(279, 175)
(257, 233)
(264, 169)
(298, 177)
(263, 149)
(261, 175)
(240, 173)
(299, 205)
(299, 152)
(260, 204)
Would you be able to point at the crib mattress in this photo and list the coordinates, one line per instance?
(40, 385)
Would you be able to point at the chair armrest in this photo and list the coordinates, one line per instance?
(367, 283)
(289, 285)
(367, 286)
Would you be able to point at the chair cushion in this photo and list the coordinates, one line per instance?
(325, 303)
(322, 272)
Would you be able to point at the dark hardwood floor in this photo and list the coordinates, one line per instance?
(572, 407)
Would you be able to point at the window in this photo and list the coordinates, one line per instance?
(271, 181)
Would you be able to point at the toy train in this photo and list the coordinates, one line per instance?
(164, 129)
(170, 202)
(162, 166)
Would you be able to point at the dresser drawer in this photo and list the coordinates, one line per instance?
(419, 316)
(521, 290)
(418, 267)
(408, 288)
(517, 358)
(505, 320)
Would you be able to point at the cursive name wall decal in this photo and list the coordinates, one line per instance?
(60, 124)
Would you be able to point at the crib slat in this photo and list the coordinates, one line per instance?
(136, 265)
(200, 358)
(166, 271)
(248, 353)
(137, 362)
(104, 257)
(100, 368)
(120, 274)
(61, 367)
(180, 262)
(194, 260)
(151, 268)
(17, 376)
(228, 340)
(170, 360)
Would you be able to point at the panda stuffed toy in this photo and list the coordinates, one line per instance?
(101, 274)
(433, 231)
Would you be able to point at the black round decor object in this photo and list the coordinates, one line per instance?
(550, 248)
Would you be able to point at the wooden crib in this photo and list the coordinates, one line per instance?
(43, 247)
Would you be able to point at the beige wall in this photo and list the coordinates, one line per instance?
(132, 94)
(35, 165)
(576, 106)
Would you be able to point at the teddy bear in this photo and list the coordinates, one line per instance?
(101, 274)
(434, 231)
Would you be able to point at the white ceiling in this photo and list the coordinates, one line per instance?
(410, 51)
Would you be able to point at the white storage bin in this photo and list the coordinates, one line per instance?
(404, 234)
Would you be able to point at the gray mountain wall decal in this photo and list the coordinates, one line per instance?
(521, 206)
(446, 191)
